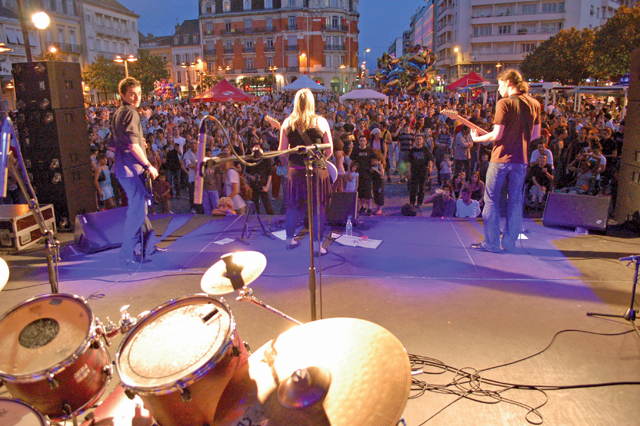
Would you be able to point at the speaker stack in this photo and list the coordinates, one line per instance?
(52, 131)
(628, 200)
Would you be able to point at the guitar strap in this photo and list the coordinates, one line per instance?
(319, 162)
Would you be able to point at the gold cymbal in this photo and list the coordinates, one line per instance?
(215, 282)
(370, 378)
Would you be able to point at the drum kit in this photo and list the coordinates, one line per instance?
(185, 362)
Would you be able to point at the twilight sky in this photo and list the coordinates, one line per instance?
(381, 21)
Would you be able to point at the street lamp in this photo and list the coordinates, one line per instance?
(364, 61)
(273, 70)
(187, 66)
(342, 67)
(120, 59)
(303, 56)
(40, 20)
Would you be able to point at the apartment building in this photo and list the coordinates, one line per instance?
(282, 37)
(484, 36)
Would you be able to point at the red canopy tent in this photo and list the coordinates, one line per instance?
(223, 92)
(471, 78)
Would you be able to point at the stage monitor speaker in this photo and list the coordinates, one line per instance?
(342, 205)
(576, 211)
(71, 191)
(48, 85)
(100, 231)
(54, 136)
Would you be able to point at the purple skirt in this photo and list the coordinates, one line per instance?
(296, 186)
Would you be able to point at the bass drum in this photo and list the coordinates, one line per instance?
(179, 359)
(51, 355)
(18, 413)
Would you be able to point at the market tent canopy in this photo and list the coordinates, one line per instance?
(467, 80)
(364, 94)
(304, 82)
(223, 92)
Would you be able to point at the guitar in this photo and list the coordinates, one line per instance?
(452, 114)
(147, 181)
(333, 170)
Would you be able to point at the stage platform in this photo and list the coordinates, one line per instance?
(445, 302)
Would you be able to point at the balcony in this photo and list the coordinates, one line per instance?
(208, 32)
(249, 70)
(228, 51)
(249, 49)
(252, 30)
(293, 69)
(338, 28)
(270, 49)
(291, 48)
(231, 71)
(292, 27)
(112, 32)
(335, 47)
(67, 48)
(210, 52)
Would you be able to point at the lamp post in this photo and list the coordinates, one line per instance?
(273, 70)
(187, 66)
(364, 62)
(120, 59)
(303, 56)
(342, 82)
(40, 20)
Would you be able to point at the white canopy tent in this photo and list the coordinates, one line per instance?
(364, 94)
(304, 82)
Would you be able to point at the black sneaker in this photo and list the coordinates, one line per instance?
(388, 180)
(368, 212)
(361, 211)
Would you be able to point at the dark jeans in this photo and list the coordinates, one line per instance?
(462, 166)
(264, 197)
(137, 229)
(173, 177)
(416, 187)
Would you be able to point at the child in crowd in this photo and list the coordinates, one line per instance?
(225, 208)
(102, 181)
(162, 193)
(377, 175)
(445, 169)
(351, 178)
(482, 166)
(210, 186)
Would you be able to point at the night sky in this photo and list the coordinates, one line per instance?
(380, 21)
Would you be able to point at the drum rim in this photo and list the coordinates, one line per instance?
(69, 360)
(43, 418)
(190, 378)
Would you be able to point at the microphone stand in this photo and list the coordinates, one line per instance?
(52, 246)
(630, 314)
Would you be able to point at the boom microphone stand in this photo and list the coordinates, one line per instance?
(630, 314)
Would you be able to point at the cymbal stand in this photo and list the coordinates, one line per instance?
(245, 228)
(246, 295)
(630, 314)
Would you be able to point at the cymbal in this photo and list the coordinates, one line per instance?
(4, 273)
(368, 375)
(215, 283)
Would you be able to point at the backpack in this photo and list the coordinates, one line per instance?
(245, 190)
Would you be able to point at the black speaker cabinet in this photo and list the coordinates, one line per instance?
(100, 231)
(342, 205)
(54, 136)
(47, 85)
(71, 191)
(576, 211)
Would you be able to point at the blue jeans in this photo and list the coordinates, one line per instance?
(136, 221)
(515, 175)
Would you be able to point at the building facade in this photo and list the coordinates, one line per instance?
(109, 29)
(483, 36)
(284, 38)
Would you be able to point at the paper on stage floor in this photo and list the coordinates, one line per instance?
(346, 240)
(224, 241)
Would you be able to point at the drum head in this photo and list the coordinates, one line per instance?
(17, 413)
(42, 332)
(174, 342)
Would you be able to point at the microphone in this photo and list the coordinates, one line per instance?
(199, 181)
(630, 258)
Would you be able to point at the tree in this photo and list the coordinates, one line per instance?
(614, 42)
(103, 75)
(208, 81)
(565, 57)
(147, 70)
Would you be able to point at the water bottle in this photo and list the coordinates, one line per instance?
(349, 229)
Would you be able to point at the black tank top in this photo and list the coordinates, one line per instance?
(295, 139)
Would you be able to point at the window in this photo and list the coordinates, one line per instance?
(328, 61)
(177, 57)
(270, 43)
(248, 46)
(334, 3)
(209, 8)
(247, 4)
(504, 29)
(209, 27)
(249, 63)
(88, 18)
(484, 30)
(59, 6)
(98, 45)
(228, 46)
(291, 23)
(269, 22)
(176, 40)
(211, 65)
(248, 24)
(72, 36)
(178, 76)
(70, 10)
(114, 47)
(291, 3)
(268, 4)
(335, 21)
(194, 39)
(12, 38)
(529, 8)
(527, 47)
(61, 35)
(550, 27)
(185, 39)
(553, 7)
(269, 62)
(227, 27)
(226, 6)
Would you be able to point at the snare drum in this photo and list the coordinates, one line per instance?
(51, 356)
(180, 357)
(18, 413)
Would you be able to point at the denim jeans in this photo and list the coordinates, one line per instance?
(137, 229)
(514, 174)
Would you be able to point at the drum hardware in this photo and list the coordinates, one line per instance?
(246, 294)
(305, 387)
(111, 329)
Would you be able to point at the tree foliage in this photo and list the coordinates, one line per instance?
(614, 42)
(147, 70)
(103, 75)
(566, 57)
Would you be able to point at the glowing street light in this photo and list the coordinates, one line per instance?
(41, 20)
(342, 67)
(187, 66)
(120, 59)
(303, 56)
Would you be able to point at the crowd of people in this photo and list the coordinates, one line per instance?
(407, 141)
